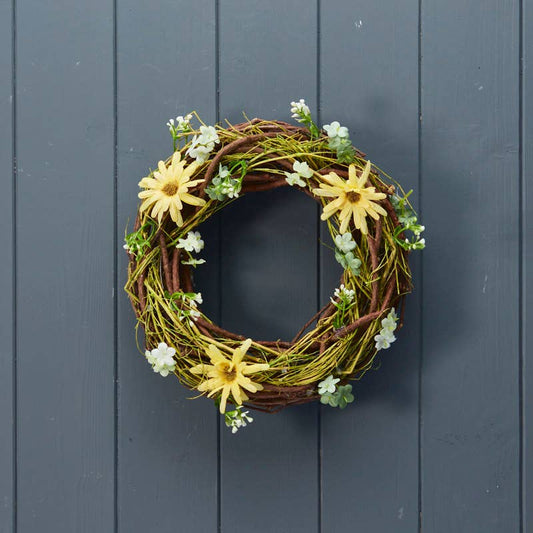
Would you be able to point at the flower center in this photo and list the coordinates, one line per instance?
(353, 196)
(229, 372)
(170, 189)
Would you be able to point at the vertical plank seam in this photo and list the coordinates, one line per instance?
(14, 302)
(115, 269)
(219, 273)
(421, 285)
(318, 274)
(521, 271)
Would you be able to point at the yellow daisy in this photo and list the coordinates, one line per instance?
(167, 190)
(229, 375)
(352, 198)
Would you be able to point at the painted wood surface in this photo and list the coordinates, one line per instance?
(166, 444)
(470, 400)
(7, 302)
(438, 95)
(65, 249)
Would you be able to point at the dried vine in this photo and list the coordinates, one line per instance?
(158, 279)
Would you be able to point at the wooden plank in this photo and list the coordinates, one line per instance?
(527, 265)
(65, 266)
(7, 352)
(470, 398)
(167, 447)
(269, 470)
(369, 83)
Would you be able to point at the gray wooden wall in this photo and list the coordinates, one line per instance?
(440, 439)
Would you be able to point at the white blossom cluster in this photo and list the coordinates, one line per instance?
(237, 419)
(386, 335)
(193, 312)
(344, 295)
(336, 130)
(344, 254)
(180, 124)
(202, 145)
(300, 111)
(224, 185)
(339, 141)
(162, 359)
(192, 243)
(301, 170)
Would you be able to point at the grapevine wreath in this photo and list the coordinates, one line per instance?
(372, 226)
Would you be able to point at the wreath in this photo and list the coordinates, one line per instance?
(372, 226)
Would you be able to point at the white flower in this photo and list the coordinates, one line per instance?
(202, 145)
(162, 359)
(386, 335)
(328, 385)
(199, 151)
(342, 293)
(223, 172)
(384, 339)
(192, 242)
(336, 130)
(183, 122)
(302, 168)
(237, 419)
(300, 111)
(292, 178)
(170, 124)
(389, 322)
(198, 298)
(345, 242)
(126, 247)
(231, 190)
(208, 134)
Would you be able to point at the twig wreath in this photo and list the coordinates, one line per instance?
(373, 228)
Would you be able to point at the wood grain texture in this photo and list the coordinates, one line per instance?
(527, 265)
(7, 458)
(167, 447)
(470, 397)
(369, 82)
(269, 472)
(65, 266)
(440, 439)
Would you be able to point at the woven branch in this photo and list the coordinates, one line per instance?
(296, 366)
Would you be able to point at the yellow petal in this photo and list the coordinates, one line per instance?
(326, 192)
(190, 170)
(256, 367)
(176, 158)
(200, 369)
(334, 179)
(364, 176)
(175, 212)
(240, 352)
(363, 227)
(223, 399)
(236, 393)
(344, 224)
(335, 205)
(215, 355)
(191, 200)
(161, 166)
(148, 183)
